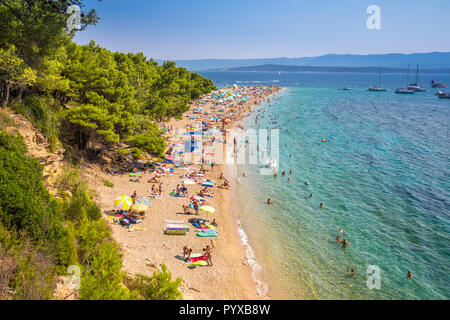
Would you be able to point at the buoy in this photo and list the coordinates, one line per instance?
(324, 140)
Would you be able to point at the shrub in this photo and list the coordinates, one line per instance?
(67, 251)
(35, 275)
(81, 200)
(109, 184)
(25, 203)
(90, 235)
(159, 286)
(102, 277)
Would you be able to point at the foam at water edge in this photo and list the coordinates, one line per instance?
(261, 286)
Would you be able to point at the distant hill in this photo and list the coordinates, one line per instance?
(284, 68)
(431, 60)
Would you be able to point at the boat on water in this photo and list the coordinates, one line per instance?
(415, 86)
(378, 88)
(271, 163)
(406, 90)
(439, 93)
(347, 89)
(444, 96)
(435, 84)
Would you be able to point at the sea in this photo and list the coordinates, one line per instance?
(383, 177)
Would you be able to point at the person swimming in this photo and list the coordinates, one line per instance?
(410, 275)
(269, 201)
(345, 243)
(338, 239)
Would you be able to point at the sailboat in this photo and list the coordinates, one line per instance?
(405, 90)
(415, 86)
(378, 87)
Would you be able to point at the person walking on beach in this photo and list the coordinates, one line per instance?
(160, 190)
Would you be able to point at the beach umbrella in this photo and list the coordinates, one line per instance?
(207, 209)
(123, 202)
(139, 207)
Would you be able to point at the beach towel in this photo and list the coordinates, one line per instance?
(177, 195)
(178, 226)
(193, 260)
(198, 264)
(204, 234)
(174, 221)
(175, 232)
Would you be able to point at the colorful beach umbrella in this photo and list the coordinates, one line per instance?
(123, 202)
(207, 209)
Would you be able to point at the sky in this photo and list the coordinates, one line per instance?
(247, 29)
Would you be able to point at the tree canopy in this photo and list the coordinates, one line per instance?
(107, 96)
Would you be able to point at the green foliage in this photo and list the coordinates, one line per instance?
(149, 142)
(43, 114)
(102, 278)
(69, 178)
(35, 275)
(90, 235)
(159, 286)
(6, 120)
(14, 73)
(108, 184)
(82, 201)
(67, 251)
(25, 203)
(36, 27)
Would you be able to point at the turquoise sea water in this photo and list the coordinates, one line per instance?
(395, 213)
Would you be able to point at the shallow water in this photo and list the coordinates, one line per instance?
(395, 213)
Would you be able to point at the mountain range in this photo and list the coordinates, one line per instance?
(285, 68)
(431, 60)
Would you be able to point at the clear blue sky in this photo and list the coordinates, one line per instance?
(237, 29)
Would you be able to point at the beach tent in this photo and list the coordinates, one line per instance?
(123, 202)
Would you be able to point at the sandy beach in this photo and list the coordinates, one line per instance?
(145, 246)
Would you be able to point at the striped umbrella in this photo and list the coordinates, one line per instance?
(123, 202)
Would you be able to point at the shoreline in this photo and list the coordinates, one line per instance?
(146, 248)
(262, 285)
